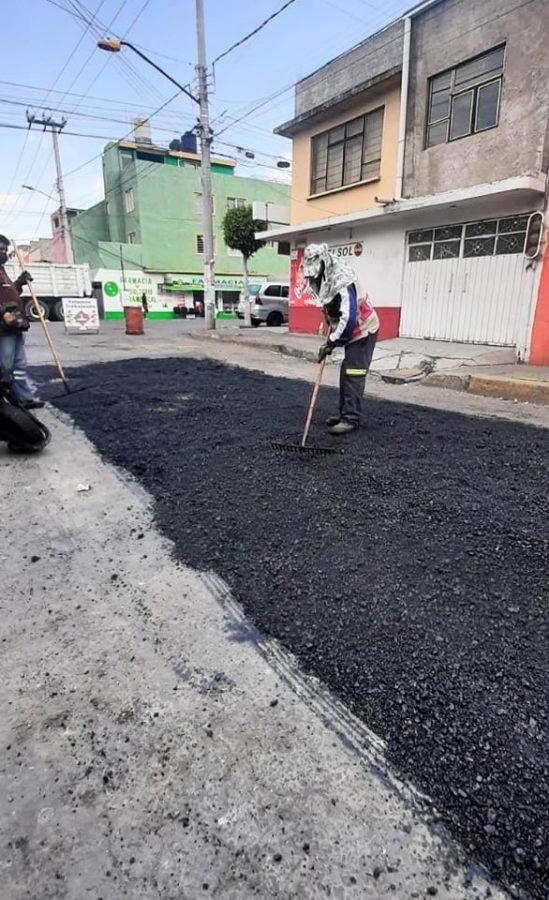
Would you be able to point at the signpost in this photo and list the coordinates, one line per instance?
(81, 315)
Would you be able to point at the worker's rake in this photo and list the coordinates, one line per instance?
(302, 448)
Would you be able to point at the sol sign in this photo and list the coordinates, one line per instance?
(352, 249)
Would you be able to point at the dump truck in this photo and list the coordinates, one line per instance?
(52, 282)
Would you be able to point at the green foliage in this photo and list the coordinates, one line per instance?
(239, 227)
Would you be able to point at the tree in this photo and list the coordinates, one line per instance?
(239, 228)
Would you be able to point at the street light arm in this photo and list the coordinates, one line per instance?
(113, 45)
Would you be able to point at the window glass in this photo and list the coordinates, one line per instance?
(462, 108)
(437, 134)
(478, 246)
(448, 232)
(440, 106)
(479, 69)
(513, 223)
(348, 153)
(487, 106)
(353, 162)
(355, 127)
(334, 170)
(129, 202)
(336, 134)
(440, 82)
(272, 291)
(477, 229)
(446, 250)
(510, 243)
(285, 291)
(484, 238)
(420, 237)
(466, 99)
(419, 253)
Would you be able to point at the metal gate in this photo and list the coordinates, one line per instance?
(467, 282)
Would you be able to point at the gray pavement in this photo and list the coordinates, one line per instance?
(153, 745)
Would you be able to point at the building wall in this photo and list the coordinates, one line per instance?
(167, 217)
(87, 230)
(450, 33)
(379, 53)
(351, 198)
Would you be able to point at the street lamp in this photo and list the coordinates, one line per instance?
(114, 45)
(29, 187)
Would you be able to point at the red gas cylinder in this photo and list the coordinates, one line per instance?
(134, 319)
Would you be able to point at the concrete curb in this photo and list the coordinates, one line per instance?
(523, 390)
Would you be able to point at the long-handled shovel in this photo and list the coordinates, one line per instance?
(40, 314)
(302, 448)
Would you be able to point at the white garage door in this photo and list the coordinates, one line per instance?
(467, 282)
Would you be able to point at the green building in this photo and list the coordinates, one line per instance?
(145, 236)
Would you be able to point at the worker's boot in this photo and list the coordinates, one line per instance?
(343, 427)
(332, 420)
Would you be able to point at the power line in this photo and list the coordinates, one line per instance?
(255, 31)
(363, 56)
(98, 155)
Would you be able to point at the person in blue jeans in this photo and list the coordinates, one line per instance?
(13, 325)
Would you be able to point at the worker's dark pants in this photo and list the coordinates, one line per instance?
(352, 377)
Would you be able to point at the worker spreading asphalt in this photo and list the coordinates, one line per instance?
(408, 573)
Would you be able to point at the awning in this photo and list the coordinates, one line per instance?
(499, 197)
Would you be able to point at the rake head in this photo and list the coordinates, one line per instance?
(304, 451)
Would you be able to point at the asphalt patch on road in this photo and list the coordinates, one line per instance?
(410, 573)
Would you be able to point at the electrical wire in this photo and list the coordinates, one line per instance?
(254, 32)
(129, 134)
(360, 59)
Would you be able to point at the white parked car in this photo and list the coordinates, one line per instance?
(268, 303)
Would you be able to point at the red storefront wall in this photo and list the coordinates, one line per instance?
(305, 317)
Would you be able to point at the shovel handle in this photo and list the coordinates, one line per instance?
(312, 404)
(45, 329)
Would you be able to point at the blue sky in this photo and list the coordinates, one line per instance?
(50, 62)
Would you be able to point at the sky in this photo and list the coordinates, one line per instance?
(51, 63)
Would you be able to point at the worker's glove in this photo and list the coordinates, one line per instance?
(12, 317)
(325, 350)
(23, 278)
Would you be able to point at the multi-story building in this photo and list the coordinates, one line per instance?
(422, 155)
(146, 235)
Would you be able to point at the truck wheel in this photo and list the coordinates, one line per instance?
(57, 314)
(275, 319)
(31, 313)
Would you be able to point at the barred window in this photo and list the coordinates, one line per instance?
(347, 154)
(466, 99)
(489, 237)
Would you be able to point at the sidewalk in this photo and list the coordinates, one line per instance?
(475, 368)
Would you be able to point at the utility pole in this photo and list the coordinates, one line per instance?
(114, 45)
(56, 128)
(205, 171)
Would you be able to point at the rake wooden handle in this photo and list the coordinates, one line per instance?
(312, 404)
(40, 315)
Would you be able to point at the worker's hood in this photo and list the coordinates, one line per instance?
(326, 274)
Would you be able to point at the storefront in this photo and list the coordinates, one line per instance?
(376, 257)
(461, 267)
(165, 292)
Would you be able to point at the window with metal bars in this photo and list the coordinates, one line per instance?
(489, 237)
(347, 154)
(466, 99)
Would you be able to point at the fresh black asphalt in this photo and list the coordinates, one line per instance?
(410, 573)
